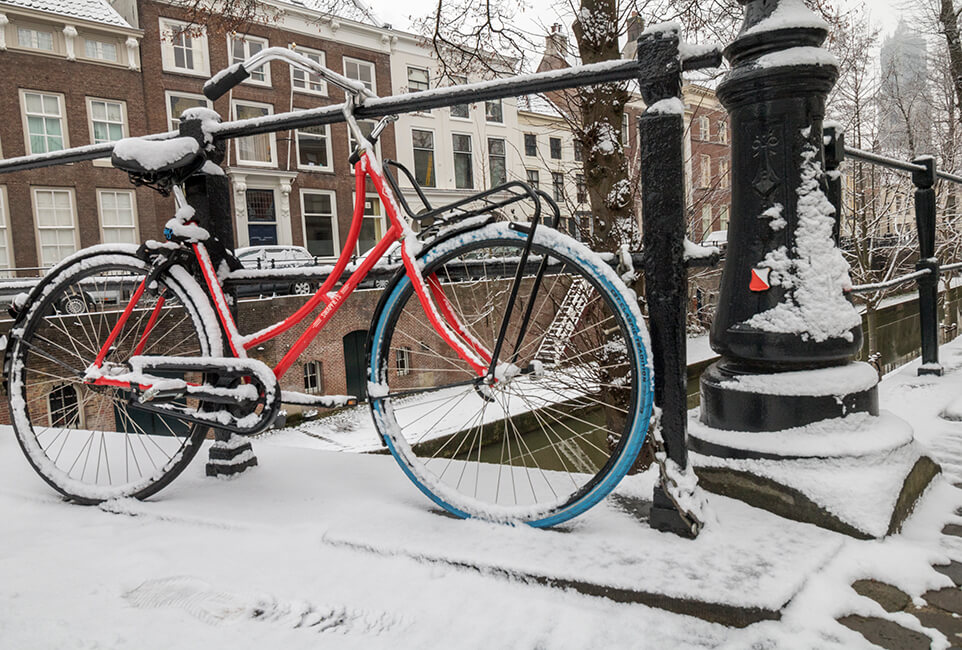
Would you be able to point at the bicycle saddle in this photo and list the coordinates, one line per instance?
(152, 157)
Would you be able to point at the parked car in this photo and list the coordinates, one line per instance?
(275, 257)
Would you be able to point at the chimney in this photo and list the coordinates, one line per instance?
(556, 43)
(636, 25)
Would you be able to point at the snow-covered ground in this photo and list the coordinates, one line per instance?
(316, 542)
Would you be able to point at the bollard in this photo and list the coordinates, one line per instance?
(924, 182)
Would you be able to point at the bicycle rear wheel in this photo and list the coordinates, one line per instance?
(87, 441)
(562, 425)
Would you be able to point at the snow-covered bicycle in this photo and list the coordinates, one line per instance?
(507, 363)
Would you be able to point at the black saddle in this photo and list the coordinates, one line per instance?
(152, 158)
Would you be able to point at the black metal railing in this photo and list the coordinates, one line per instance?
(927, 270)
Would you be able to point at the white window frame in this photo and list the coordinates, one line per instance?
(39, 228)
(704, 127)
(6, 237)
(103, 39)
(330, 153)
(454, 153)
(402, 362)
(723, 131)
(37, 28)
(504, 157)
(434, 154)
(427, 73)
(61, 103)
(561, 145)
(723, 218)
(382, 217)
(272, 136)
(316, 369)
(361, 62)
(501, 104)
(133, 213)
(265, 69)
(199, 49)
(322, 59)
(723, 177)
(90, 116)
(705, 169)
(176, 93)
(706, 220)
(459, 80)
(335, 234)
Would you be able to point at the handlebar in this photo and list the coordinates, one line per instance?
(223, 81)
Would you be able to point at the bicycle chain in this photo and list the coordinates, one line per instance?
(668, 482)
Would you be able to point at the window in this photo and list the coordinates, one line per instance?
(705, 170)
(463, 165)
(372, 229)
(723, 131)
(723, 180)
(558, 186)
(56, 224)
(43, 114)
(63, 407)
(496, 162)
(118, 218)
(723, 218)
(554, 146)
(624, 129)
(308, 82)
(101, 50)
(35, 39)
(366, 127)
(530, 144)
(362, 71)
(313, 374)
(493, 111)
(314, 147)
(320, 225)
(261, 217)
(183, 48)
(423, 144)
(403, 361)
(243, 47)
(177, 103)
(108, 120)
(704, 128)
(460, 111)
(5, 261)
(418, 79)
(581, 190)
(579, 152)
(533, 177)
(705, 220)
(254, 149)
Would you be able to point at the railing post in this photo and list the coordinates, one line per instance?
(924, 182)
(661, 130)
(834, 155)
(209, 193)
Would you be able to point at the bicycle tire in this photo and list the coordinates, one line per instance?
(53, 410)
(568, 393)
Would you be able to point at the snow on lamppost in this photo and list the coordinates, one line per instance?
(785, 395)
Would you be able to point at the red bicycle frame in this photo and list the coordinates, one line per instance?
(439, 312)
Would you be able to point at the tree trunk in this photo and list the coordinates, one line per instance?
(950, 27)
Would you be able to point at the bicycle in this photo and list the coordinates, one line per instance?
(507, 364)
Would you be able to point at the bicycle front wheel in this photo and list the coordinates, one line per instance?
(90, 442)
(567, 417)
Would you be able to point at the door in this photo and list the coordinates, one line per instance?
(354, 345)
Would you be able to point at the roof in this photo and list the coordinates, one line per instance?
(96, 11)
(356, 10)
(538, 104)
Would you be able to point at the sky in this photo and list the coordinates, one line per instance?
(538, 14)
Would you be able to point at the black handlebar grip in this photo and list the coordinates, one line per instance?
(223, 81)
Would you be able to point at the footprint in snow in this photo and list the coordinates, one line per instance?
(201, 601)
